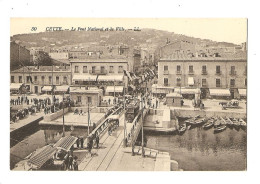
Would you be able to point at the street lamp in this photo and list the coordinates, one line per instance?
(63, 121)
(143, 153)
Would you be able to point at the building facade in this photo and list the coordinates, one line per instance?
(42, 79)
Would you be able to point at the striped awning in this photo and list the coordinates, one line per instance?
(47, 88)
(62, 88)
(219, 92)
(40, 158)
(85, 77)
(186, 91)
(110, 77)
(15, 86)
(66, 142)
(117, 89)
(242, 92)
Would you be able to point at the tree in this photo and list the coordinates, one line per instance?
(43, 59)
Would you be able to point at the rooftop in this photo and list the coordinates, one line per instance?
(27, 69)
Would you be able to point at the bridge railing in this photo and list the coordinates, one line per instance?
(100, 129)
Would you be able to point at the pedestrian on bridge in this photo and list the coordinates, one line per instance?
(97, 141)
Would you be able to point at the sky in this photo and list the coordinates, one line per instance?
(232, 30)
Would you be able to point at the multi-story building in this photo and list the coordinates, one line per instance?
(19, 55)
(42, 79)
(105, 73)
(216, 76)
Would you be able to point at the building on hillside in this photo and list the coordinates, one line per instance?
(43, 79)
(219, 75)
(59, 55)
(19, 55)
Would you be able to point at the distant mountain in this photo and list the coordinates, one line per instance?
(146, 37)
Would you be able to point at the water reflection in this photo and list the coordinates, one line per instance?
(199, 149)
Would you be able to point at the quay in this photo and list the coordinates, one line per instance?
(28, 121)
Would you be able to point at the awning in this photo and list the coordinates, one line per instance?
(42, 157)
(128, 75)
(115, 117)
(62, 88)
(190, 81)
(174, 95)
(66, 142)
(47, 88)
(86, 77)
(186, 91)
(110, 77)
(242, 92)
(117, 89)
(15, 86)
(219, 92)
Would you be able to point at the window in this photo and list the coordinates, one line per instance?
(245, 82)
(50, 80)
(89, 100)
(178, 68)
(165, 68)
(191, 69)
(79, 98)
(233, 72)
(76, 69)
(178, 81)
(20, 79)
(35, 78)
(218, 70)
(120, 69)
(165, 81)
(111, 69)
(173, 100)
(28, 79)
(65, 80)
(217, 82)
(85, 69)
(232, 82)
(102, 68)
(12, 79)
(93, 69)
(204, 69)
(43, 78)
(57, 80)
(204, 82)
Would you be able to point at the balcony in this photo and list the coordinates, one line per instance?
(232, 73)
(178, 72)
(166, 72)
(111, 71)
(98, 72)
(191, 73)
(218, 72)
(204, 72)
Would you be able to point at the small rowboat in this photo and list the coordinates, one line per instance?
(182, 128)
(229, 123)
(217, 122)
(220, 128)
(236, 123)
(209, 124)
(242, 123)
(222, 121)
(200, 121)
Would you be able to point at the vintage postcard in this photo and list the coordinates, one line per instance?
(128, 94)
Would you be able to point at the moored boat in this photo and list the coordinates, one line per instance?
(242, 123)
(219, 128)
(229, 123)
(209, 124)
(182, 128)
(236, 123)
(217, 122)
(200, 121)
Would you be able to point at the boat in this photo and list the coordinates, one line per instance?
(236, 123)
(219, 128)
(192, 121)
(200, 121)
(217, 122)
(229, 123)
(222, 121)
(188, 127)
(242, 123)
(209, 124)
(182, 128)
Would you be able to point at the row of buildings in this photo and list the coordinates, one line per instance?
(216, 72)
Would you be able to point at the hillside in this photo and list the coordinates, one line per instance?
(146, 37)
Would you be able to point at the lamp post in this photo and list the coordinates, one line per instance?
(63, 122)
(143, 153)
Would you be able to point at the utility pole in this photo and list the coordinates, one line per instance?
(88, 119)
(125, 133)
(143, 153)
(63, 128)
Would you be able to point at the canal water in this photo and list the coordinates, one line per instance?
(202, 150)
(36, 137)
